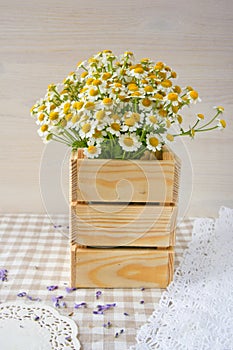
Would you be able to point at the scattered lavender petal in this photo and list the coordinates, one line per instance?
(69, 290)
(142, 288)
(102, 308)
(54, 226)
(98, 294)
(3, 275)
(83, 304)
(142, 301)
(33, 299)
(22, 294)
(56, 300)
(68, 338)
(36, 318)
(63, 304)
(67, 226)
(126, 314)
(59, 226)
(122, 331)
(107, 325)
(51, 288)
(116, 335)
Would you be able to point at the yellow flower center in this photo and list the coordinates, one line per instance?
(89, 81)
(52, 107)
(83, 74)
(97, 134)
(130, 121)
(44, 128)
(89, 105)
(223, 123)
(173, 74)
(107, 101)
(180, 119)
(63, 123)
(172, 96)
(175, 109)
(53, 115)
(220, 109)
(136, 117)
(153, 141)
(136, 93)
(132, 87)
(106, 76)
(75, 118)
(91, 149)
(153, 119)
(200, 116)
(86, 128)
(166, 83)
(139, 70)
(41, 117)
(158, 96)
(41, 108)
(177, 89)
(159, 66)
(163, 113)
(118, 85)
(193, 94)
(148, 88)
(152, 76)
(168, 123)
(115, 126)
(68, 116)
(96, 82)
(93, 92)
(78, 105)
(146, 102)
(100, 115)
(66, 107)
(128, 141)
(170, 137)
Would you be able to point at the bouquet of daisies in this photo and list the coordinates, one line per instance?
(114, 107)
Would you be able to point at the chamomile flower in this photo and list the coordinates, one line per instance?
(129, 142)
(153, 143)
(115, 127)
(87, 129)
(92, 151)
(116, 97)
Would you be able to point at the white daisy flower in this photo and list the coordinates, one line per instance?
(129, 142)
(87, 129)
(115, 127)
(153, 143)
(92, 151)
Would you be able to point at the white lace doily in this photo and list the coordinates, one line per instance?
(35, 327)
(196, 310)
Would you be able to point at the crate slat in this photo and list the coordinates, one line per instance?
(120, 225)
(121, 268)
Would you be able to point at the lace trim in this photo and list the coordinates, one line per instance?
(35, 327)
(196, 310)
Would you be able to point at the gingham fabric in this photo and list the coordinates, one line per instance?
(37, 255)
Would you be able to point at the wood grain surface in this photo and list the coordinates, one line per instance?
(41, 42)
(123, 225)
(121, 268)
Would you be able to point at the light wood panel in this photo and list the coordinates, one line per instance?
(41, 42)
(123, 225)
(121, 268)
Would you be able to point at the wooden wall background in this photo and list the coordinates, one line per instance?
(40, 43)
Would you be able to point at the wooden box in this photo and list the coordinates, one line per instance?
(122, 221)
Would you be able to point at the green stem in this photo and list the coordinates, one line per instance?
(210, 121)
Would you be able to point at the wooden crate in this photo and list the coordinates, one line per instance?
(122, 221)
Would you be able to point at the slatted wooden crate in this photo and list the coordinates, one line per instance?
(122, 221)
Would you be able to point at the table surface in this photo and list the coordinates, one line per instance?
(36, 254)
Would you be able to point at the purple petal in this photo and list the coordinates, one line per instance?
(3, 275)
(69, 290)
(126, 314)
(142, 301)
(51, 288)
(22, 294)
(77, 306)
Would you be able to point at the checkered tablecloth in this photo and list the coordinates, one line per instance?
(36, 255)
